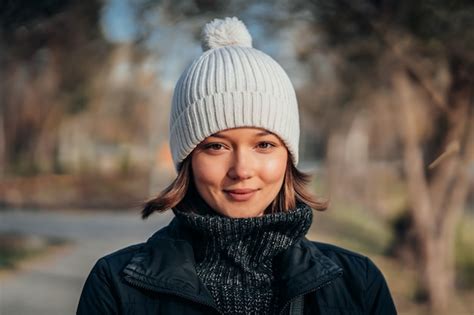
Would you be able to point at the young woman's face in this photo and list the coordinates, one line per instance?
(239, 172)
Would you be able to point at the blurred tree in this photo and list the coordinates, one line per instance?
(48, 51)
(417, 58)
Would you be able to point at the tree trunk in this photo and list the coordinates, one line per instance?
(436, 198)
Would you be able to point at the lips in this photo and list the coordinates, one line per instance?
(243, 194)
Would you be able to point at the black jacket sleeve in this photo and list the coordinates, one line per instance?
(98, 295)
(378, 299)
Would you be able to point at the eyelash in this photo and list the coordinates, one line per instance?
(212, 146)
(261, 145)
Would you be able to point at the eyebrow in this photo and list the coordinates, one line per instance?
(260, 134)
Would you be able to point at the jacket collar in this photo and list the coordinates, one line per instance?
(304, 268)
(166, 264)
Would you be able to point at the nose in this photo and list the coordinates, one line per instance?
(241, 166)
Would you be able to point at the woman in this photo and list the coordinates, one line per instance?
(236, 244)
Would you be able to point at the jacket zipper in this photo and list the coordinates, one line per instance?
(151, 288)
(309, 291)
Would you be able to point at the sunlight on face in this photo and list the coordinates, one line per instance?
(239, 172)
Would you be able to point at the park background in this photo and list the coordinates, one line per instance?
(385, 91)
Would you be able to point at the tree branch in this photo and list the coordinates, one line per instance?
(460, 189)
(413, 158)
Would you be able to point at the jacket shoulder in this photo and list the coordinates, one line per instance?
(100, 291)
(121, 256)
(355, 266)
(336, 252)
(360, 275)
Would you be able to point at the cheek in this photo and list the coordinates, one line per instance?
(206, 173)
(273, 169)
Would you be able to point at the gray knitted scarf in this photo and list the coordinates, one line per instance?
(234, 257)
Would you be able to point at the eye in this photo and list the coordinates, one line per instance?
(265, 145)
(214, 146)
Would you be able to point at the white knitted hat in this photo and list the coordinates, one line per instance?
(231, 85)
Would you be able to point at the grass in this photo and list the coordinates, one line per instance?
(15, 248)
(352, 227)
(465, 252)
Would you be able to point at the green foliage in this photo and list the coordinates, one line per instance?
(9, 256)
(79, 100)
(125, 163)
(465, 253)
(14, 14)
(23, 166)
(15, 248)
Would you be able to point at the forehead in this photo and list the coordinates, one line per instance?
(242, 132)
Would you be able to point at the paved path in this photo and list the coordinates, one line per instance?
(52, 284)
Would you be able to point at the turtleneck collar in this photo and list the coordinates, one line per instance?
(259, 238)
(234, 256)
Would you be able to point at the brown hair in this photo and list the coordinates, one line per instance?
(182, 195)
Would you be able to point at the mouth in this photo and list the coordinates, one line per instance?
(240, 194)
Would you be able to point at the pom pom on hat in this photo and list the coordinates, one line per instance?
(229, 31)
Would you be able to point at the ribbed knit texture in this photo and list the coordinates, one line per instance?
(229, 87)
(234, 257)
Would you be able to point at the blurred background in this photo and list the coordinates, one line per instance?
(385, 90)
